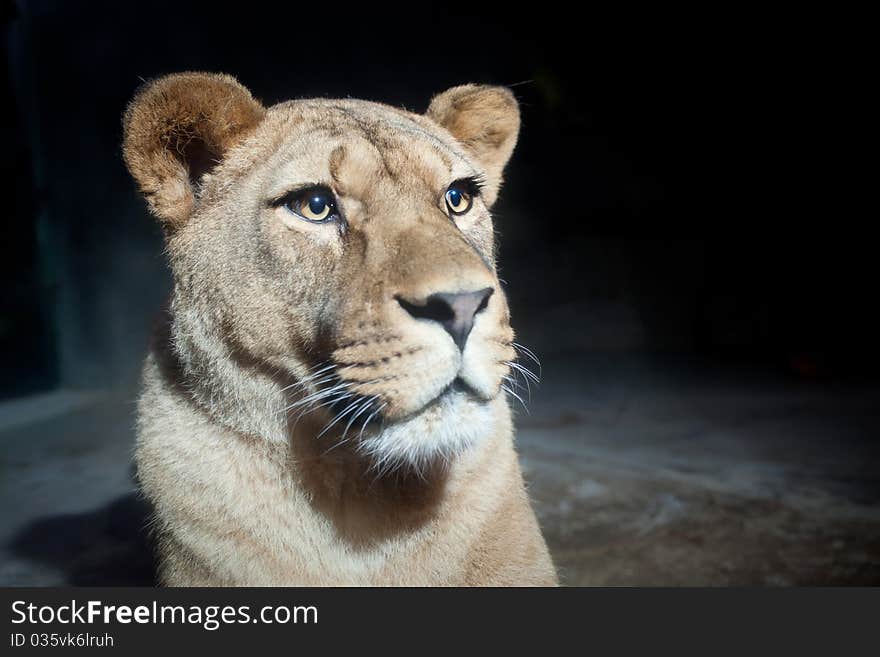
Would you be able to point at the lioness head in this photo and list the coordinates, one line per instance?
(333, 258)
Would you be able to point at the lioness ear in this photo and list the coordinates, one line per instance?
(485, 120)
(176, 129)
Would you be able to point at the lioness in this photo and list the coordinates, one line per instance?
(325, 405)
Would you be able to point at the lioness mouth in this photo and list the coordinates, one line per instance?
(458, 385)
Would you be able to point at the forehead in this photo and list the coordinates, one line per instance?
(354, 145)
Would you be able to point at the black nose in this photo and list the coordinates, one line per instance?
(454, 311)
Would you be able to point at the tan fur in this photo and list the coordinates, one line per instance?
(247, 490)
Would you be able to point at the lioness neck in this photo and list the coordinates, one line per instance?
(235, 508)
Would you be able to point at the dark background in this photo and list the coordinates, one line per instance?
(686, 235)
(681, 183)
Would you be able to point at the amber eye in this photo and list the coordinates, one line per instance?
(316, 205)
(458, 200)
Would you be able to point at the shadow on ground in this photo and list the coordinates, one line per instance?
(107, 547)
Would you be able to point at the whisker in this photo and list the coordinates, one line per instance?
(310, 377)
(525, 379)
(317, 384)
(343, 439)
(528, 352)
(369, 418)
(333, 400)
(513, 381)
(365, 406)
(338, 398)
(511, 392)
(525, 371)
(321, 394)
(339, 416)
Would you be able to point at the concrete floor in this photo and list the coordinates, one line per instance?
(643, 472)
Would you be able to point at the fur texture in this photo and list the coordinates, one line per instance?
(297, 424)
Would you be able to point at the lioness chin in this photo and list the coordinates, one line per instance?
(324, 404)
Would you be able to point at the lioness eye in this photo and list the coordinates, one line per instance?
(315, 204)
(458, 199)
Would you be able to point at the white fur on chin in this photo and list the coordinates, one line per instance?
(453, 424)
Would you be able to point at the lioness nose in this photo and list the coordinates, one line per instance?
(454, 311)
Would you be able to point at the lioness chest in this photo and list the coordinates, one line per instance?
(232, 510)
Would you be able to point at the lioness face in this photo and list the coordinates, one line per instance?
(348, 247)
